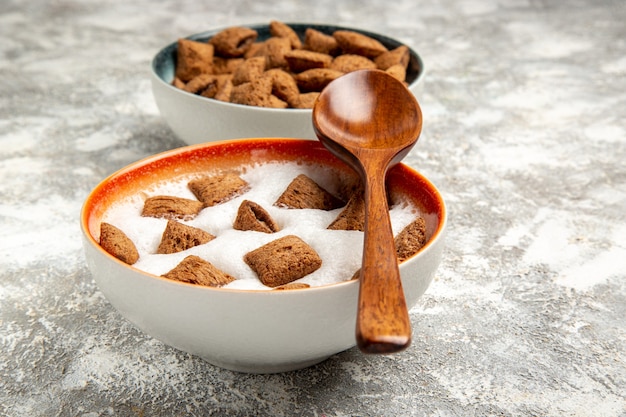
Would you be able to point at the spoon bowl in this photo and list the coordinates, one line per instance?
(371, 121)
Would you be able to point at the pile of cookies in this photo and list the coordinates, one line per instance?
(278, 263)
(282, 71)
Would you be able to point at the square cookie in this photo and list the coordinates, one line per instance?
(283, 261)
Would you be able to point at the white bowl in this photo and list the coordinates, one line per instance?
(247, 330)
(196, 119)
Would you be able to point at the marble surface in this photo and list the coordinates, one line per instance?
(524, 133)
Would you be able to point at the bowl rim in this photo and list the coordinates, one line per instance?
(171, 48)
(88, 204)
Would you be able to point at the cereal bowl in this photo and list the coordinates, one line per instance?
(258, 330)
(196, 119)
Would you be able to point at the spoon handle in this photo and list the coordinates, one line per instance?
(383, 324)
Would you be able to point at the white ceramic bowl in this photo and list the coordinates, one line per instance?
(247, 330)
(196, 119)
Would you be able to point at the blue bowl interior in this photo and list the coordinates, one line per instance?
(164, 63)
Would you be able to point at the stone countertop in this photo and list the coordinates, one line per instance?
(524, 134)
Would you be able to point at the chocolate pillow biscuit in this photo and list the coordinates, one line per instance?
(352, 42)
(275, 50)
(199, 83)
(410, 239)
(178, 237)
(249, 70)
(304, 193)
(350, 62)
(292, 286)
(254, 93)
(207, 85)
(116, 243)
(316, 79)
(283, 260)
(226, 65)
(282, 30)
(195, 270)
(178, 83)
(168, 207)
(224, 90)
(193, 58)
(306, 100)
(352, 217)
(233, 42)
(397, 71)
(283, 86)
(397, 56)
(277, 103)
(301, 60)
(218, 188)
(317, 41)
(251, 216)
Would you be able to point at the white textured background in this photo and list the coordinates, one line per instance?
(524, 133)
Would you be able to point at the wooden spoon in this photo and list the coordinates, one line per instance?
(371, 121)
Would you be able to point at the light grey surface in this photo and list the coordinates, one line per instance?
(524, 133)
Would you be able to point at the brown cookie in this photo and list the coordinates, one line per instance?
(306, 100)
(254, 93)
(304, 193)
(217, 189)
(178, 237)
(352, 217)
(195, 270)
(224, 90)
(283, 85)
(277, 103)
(399, 55)
(275, 50)
(221, 86)
(233, 42)
(178, 83)
(168, 207)
(249, 70)
(317, 41)
(256, 49)
(352, 42)
(397, 71)
(116, 243)
(207, 85)
(251, 216)
(199, 83)
(226, 65)
(282, 30)
(292, 286)
(283, 261)
(351, 62)
(193, 58)
(300, 60)
(316, 79)
(411, 239)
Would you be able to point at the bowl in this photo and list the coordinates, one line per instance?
(255, 331)
(196, 119)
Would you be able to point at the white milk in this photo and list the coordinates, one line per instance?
(340, 250)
